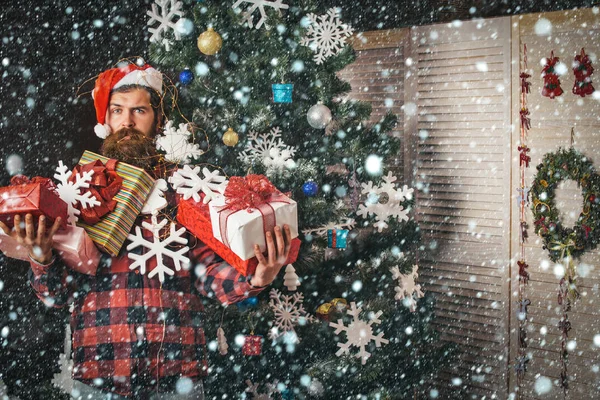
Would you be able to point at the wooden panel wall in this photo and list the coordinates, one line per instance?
(551, 122)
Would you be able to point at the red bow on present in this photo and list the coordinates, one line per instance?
(105, 184)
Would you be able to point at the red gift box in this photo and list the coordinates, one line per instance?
(252, 345)
(196, 218)
(34, 197)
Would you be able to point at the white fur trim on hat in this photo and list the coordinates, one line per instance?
(102, 131)
(148, 77)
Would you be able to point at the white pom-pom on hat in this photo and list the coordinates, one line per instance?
(102, 131)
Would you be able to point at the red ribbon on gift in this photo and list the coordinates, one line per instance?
(105, 184)
(24, 180)
(249, 193)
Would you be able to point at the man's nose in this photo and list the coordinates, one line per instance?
(128, 121)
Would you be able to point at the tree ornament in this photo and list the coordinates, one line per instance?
(175, 142)
(187, 181)
(268, 149)
(210, 42)
(551, 87)
(336, 238)
(332, 309)
(230, 137)
(583, 70)
(319, 116)
(289, 312)
(252, 345)
(326, 35)
(169, 9)
(247, 304)
(282, 92)
(310, 189)
(186, 77)
(359, 333)
(222, 341)
(407, 290)
(156, 199)
(383, 211)
(324, 229)
(260, 4)
(290, 279)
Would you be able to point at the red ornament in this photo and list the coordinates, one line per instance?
(552, 87)
(523, 274)
(252, 345)
(582, 68)
(592, 198)
(525, 120)
(525, 85)
(524, 158)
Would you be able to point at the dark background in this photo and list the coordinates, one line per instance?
(48, 50)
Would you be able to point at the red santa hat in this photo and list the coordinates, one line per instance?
(130, 74)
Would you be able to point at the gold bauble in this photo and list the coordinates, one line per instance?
(230, 137)
(210, 42)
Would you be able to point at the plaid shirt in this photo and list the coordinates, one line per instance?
(129, 329)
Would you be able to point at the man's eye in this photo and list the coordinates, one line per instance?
(116, 111)
(139, 110)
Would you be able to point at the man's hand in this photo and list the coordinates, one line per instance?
(39, 244)
(277, 252)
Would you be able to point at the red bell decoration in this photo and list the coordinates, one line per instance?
(552, 87)
(252, 345)
(582, 68)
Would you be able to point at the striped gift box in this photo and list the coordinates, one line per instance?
(110, 233)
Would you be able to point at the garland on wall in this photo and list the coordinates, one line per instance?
(564, 244)
(524, 158)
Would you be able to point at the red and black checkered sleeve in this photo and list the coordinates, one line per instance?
(217, 279)
(55, 284)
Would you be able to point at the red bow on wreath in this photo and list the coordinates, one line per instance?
(551, 82)
(582, 68)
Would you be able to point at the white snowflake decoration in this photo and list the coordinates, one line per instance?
(407, 290)
(176, 144)
(359, 333)
(156, 199)
(326, 35)
(188, 182)
(289, 311)
(260, 4)
(253, 390)
(64, 379)
(392, 208)
(158, 248)
(269, 149)
(169, 9)
(322, 230)
(70, 192)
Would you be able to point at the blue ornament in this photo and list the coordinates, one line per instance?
(310, 189)
(287, 394)
(282, 92)
(336, 238)
(247, 304)
(186, 77)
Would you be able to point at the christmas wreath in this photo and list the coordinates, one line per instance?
(559, 240)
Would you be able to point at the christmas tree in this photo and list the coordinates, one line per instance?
(358, 323)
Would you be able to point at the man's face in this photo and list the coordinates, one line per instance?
(131, 109)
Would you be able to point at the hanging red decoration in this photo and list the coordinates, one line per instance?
(582, 68)
(252, 345)
(552, 87)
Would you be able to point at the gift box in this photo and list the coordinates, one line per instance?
(110, 232)
(195, 216)
(250, 207)
(252, 345)
(336, 238)
(72, 244)
(35, 196)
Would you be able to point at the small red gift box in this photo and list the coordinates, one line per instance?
(252, 345)
(35, 196)
(196, 218)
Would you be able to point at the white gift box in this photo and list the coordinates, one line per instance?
(245, 227)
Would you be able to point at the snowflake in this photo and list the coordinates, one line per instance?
(288, 311)
(326, 35)
(70, 192)
(175, 142)
(359, 333)
(392, 208)
(407, 290)
(157, 248)
(322, 230)
(164, 19)
(156, 199)
(269, 149)
(253, 390)
(260, 4)
(187, 182)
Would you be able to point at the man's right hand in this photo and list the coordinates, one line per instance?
(39, 244)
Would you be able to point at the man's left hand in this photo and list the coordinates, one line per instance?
(277, 252)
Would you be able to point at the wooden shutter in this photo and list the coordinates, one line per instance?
(377, 77)
(551, 122)
(461, 134)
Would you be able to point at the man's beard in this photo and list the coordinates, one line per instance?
(132, 147)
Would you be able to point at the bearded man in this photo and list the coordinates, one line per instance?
(134, 336)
